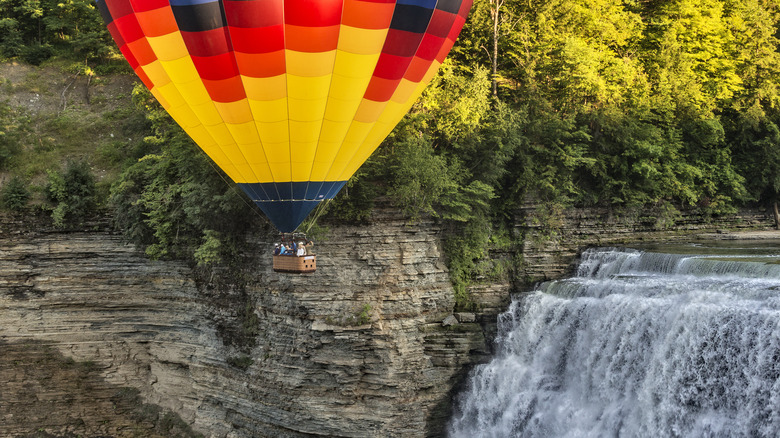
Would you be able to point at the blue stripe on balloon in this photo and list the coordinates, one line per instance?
(287, 215)
(428, 4)
(189, 2)
(289, 191)
(451, 6)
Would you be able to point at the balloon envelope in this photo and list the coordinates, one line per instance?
(287, 97)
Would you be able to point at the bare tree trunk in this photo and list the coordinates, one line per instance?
(63, 98)
(777, 217)
(86, 90)
(496, 17)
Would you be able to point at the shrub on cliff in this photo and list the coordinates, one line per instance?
(72, 194)
(14, 195)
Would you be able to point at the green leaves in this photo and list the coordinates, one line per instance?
(175, 202)
(72, 192)
(37, 29)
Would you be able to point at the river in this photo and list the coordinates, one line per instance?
(662, 341)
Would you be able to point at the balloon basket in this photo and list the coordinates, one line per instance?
(292, 264)
(294, 254)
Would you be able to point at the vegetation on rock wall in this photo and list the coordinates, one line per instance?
(661, 105)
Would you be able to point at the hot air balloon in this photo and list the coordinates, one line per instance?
(287, 97)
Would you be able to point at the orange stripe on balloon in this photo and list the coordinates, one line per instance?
(417, 69)
(367, 15)
(311, 39)
(260, 65)
(157, 22)
(142, 51)
(144, 78)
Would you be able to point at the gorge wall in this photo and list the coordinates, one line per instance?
(549, 246)
(97, 340)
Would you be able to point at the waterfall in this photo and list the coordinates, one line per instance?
(637, 344)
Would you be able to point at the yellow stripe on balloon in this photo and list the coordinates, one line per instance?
(396, 109)
(264, 89)
(235, 112)
(361, 41)
(207, 113)
(168, 47)
(182, 71)
(355, 135)
(266, 111)
(245, 134)
(156, 73)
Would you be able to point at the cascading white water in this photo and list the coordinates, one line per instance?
(637, 344)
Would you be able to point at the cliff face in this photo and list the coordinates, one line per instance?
(357, 349)
(548, 251)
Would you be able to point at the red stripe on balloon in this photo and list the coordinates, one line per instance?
(313, 12)
(257, 40)
(457, 26)
(129, 28)
(441, 23)
(216, 67)
(129, 56)
(225, 90)
(380, 89)
(207, 42)
(429, 47)
(116, 35)
(401, 43)
(148, 5)
(254, 14)
(119, 8)
(391, 66)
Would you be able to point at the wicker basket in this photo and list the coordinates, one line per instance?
(294, 264)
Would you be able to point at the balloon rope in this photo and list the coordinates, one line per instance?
(317, 213)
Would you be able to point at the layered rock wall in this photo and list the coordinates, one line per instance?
(551, 245)
(357, 349)
(97, 340)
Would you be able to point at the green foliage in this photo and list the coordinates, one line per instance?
(36, 30)
(174, 201)
(659, 106)
(14, 194)
(421, 178)
(13, 128)
(356, 317)
(72, 194)
(210, 251)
